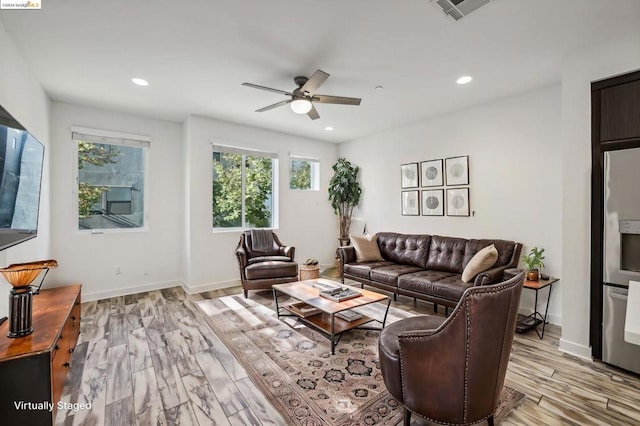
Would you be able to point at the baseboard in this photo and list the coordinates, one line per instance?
(98, 295)
(575, 349)
(211, 286)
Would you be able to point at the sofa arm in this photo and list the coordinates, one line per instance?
(241, 256)
(482, 279)
(347, 254)
(495, 274)
(288, 251)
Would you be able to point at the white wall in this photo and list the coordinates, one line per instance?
(24, 98)
(515, 175)
(306, 218)
(580, 68)
(151, 259)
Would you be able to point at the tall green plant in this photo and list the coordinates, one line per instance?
(344, 193)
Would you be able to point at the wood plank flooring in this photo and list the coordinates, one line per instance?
(150, 358)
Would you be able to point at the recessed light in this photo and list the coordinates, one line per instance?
(328, 128)
(464, 79)
(140, 81)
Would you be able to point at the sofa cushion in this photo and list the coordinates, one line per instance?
(480, 262)
(440, 284)
(271, 269)
(389, 274)
(404, 249)
(505, 250)
(259, 259)
(366, 248)
(363, 270)
(446, 254)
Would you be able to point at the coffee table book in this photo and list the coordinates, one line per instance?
(340, 294)
(303, 310)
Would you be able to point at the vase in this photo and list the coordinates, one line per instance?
(532, 275)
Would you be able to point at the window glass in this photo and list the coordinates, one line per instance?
(304, 174)
(111, 181)
(243, 190)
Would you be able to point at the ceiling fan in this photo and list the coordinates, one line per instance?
(304, 96)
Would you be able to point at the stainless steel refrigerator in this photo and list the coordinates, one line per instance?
(621, 253)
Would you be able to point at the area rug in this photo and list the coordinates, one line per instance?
(293, 366)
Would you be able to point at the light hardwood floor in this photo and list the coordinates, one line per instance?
(150, 358)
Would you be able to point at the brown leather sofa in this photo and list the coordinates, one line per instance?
(451, 370)
(259, 270)
(426, 267)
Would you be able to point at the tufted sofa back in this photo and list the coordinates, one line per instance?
(446, 254)
(405, 249)
(435, 252)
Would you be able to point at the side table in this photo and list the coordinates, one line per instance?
(308, 272)
(527, 322)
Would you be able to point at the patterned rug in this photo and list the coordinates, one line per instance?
(293, 366)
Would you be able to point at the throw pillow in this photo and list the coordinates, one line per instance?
(480, 262)
(366, 248)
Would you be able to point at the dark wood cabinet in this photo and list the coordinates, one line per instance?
(620, 112)
(33, 368)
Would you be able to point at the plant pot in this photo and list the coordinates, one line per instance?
(532, 275)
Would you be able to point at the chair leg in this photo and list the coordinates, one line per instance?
(407, 417)
(246, 293)
(490, 420)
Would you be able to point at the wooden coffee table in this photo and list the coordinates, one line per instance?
(326, 321)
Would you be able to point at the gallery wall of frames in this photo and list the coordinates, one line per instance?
(433, 187)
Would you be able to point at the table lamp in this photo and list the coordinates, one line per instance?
(20, 276)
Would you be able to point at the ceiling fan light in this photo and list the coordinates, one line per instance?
(301, 106)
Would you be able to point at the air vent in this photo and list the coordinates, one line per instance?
(458, 9)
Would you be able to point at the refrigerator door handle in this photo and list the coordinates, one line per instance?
(619, 296)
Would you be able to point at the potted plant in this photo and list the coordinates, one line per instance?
(533, 261)
(344, 194)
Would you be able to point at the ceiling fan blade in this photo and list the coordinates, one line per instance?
(268, 89)
(267, 108)
(326, 99)
(314, 82)
(313, 113)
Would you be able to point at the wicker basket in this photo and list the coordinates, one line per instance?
(309, 272)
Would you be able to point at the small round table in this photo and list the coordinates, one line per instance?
(309, 272)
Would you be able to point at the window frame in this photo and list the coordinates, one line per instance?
(275, 187)
(83, 134)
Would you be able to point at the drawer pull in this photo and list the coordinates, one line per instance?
(56, 347)
(66, 364)
(71, 350)
(73, 317)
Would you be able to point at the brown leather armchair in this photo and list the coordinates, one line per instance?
(259, 270)
(451, 370)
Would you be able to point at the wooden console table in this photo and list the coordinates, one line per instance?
(33, 367)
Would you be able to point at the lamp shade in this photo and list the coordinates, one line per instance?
(301, 106)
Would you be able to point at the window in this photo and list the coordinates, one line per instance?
(244, 188)
(304, 173)
(111, 173)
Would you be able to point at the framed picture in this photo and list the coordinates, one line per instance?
(410, 204)
(431, 173)
(433, 202)
(458, 202)
(409, 173)
(457, 170)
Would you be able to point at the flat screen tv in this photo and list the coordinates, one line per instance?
(21, 159)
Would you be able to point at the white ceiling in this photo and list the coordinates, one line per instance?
(196, 54)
